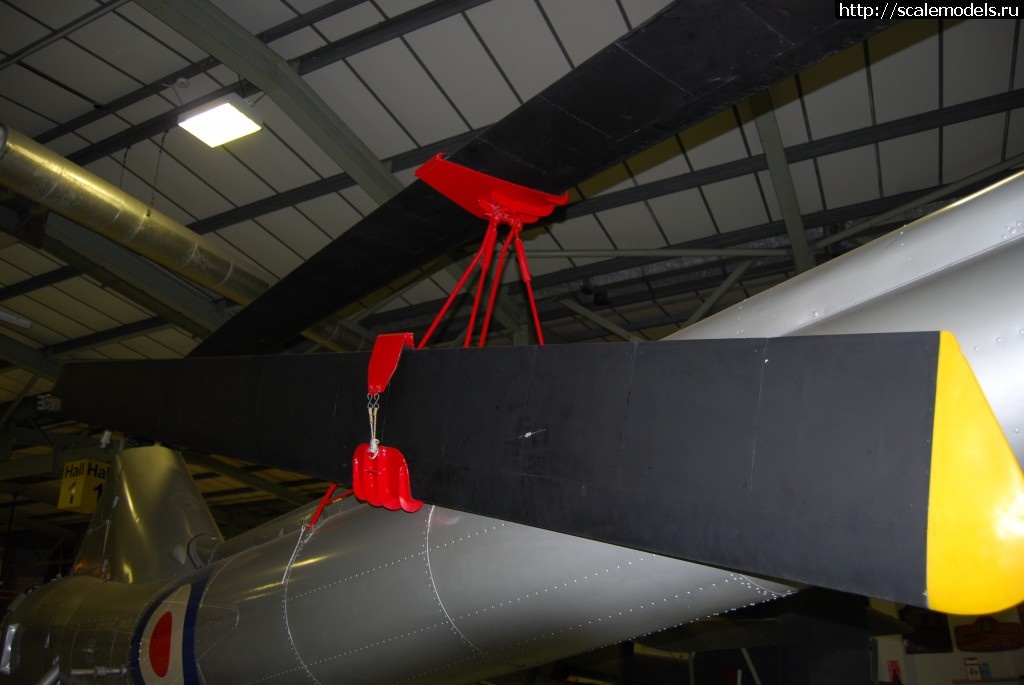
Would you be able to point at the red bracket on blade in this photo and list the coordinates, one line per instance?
(482, 195)
(380, 475)
(498, 201)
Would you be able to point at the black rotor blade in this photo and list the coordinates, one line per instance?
(683, 65)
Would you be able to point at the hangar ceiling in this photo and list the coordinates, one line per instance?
(355, 95)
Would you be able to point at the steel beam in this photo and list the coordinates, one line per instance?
(63, 31)
(601, 321)
(214, 31)
(242, 476)
(111, 335)
(34, 283)
(782, 180)
(724, 287)
(32, 360)
(798, 153)
(661, 253)
(48, 465)
(147, 284)
(218, 34)
(47, 529)
(940, 192)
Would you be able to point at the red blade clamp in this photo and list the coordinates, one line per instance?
(380, 475)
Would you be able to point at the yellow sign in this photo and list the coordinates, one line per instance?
(81, 484)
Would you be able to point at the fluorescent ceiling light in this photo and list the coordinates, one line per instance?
(222, 120)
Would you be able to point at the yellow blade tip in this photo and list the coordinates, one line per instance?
(975, 557)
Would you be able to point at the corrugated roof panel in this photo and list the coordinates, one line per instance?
(102, 129)
(110, 169)
(88, 75)
(159, 30)
(836, 94)
(395, 7)
(391, 71)
(150, 348)
(175, 339)
(243, 259)
(521, 42)
(115, 40)
(971, 146)
(639, 11)
(581, 233)
(85, 355)
(1015, 136)
(28, 260)
(905, 70)
(736, 203)
(269, 158)
(748, 128)
(86, 290)
(222, 74)
(173, 174)
(54, 13)
(295, 231)
(66, 144)
(359, 109)
(789, 112)
(714, 141)
(331, 213)
(297, 43)
(632, 227)
(662, 161)
(976, 59)
(147, 108)
(424, 291)
(585, 26)
(195, 87)
(806, 186)
(10, 272)
(22, 119)
(538, 267)
(849, 177)
(683, 216)
(910, 162)
(17, 30)
(261, 247)
(350, 21)
(236, 185)
(462, 67)
(119, 351)
(608, 181)
(20, 335)
(1018, 67)
(60, 301)
(771, 200)
(295, 138)
(41, 95)
(359, 199)
(256, 16)
(48, 327)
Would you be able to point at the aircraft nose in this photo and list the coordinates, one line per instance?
(975, 559)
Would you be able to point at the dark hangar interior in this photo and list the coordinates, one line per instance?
(782, 175)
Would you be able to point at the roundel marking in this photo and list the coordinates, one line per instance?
(160, 645)
(161, 652)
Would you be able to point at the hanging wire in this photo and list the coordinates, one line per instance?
(156, 174)
(124, 165)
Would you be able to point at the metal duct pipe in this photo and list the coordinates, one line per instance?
(41, 175)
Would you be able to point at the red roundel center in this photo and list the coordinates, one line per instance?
(160, 645)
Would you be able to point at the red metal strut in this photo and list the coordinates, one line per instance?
(499, 202)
